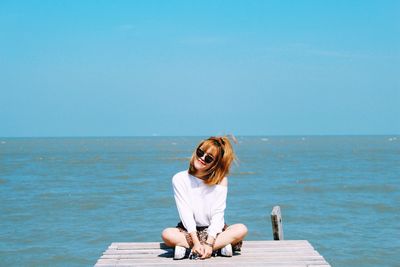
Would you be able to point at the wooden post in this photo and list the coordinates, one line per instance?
(277, 227)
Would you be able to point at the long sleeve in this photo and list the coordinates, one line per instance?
(182, 203)
(217, 214)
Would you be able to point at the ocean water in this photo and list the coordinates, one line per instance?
(64, 200)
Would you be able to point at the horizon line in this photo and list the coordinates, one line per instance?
(239, 135)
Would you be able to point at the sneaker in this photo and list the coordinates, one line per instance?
(179, 252)
(227, 251)
(193, 256)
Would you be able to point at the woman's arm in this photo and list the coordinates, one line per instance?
(217, 216)
(217, 219)
(186, 212)
(181, 196)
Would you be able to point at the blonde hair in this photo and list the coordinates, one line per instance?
(220, 166)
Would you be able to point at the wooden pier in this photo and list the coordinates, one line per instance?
(288, 253)
(279, 253)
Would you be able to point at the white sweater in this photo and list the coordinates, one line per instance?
(199, 204)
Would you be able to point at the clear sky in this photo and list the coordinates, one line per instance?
(135, 68)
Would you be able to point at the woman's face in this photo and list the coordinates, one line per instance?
(202, 158)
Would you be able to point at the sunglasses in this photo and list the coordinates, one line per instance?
(200, 153)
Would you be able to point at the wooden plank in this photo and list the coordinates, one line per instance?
(285, 243)
(205, 263)
(247, 254)
(249, 243)
(139, 245)
(157, 244)
(277, 226)
(209, 263)
(293, 253)
(215, 261)
(137, 251)
(169, 255)
(230, 261)
(240, 258)
(244, 250)
(219, 261)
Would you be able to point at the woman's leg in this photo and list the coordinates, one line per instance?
(232, 235)
(173, 237)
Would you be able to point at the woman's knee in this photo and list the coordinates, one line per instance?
(168, 234)
(244, 229)
(241, 230)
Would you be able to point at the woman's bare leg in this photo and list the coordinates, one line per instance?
(232, 235)
(173, 237)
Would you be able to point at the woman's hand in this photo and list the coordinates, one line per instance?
(208, 247)
(207, 252)
(198, 248)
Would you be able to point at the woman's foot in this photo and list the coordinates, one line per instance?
(227, 251)
(179, 253)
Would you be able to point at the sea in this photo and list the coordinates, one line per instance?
(63, 201)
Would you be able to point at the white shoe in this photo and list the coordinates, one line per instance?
(179, 252)
(227, 251)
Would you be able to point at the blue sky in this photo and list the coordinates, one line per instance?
(138, 68)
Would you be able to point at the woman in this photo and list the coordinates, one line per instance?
(200, 196)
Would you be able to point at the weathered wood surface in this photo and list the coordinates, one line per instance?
(293, 253)
(276, 221)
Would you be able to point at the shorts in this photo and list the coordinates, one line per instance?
(203, 235)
